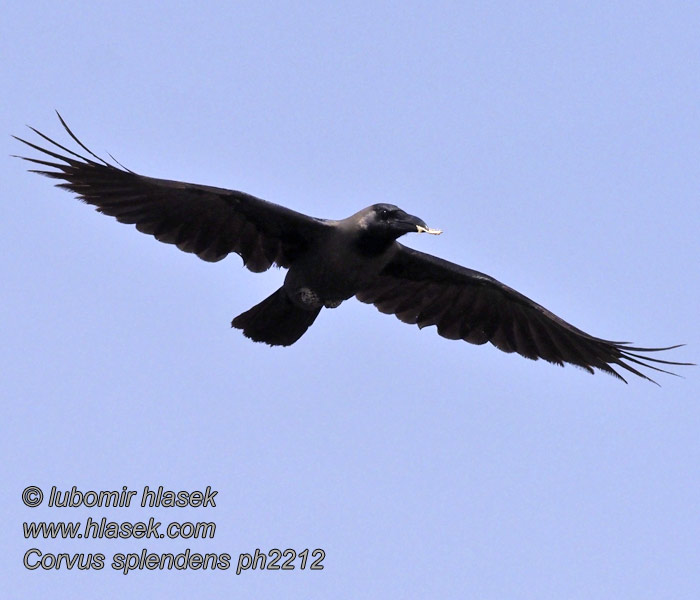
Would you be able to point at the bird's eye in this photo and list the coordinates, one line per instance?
(384, 214)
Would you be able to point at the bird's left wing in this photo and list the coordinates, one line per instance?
(207, 221)
(464, 304)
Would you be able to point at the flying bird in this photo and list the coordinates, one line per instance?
(330, 261)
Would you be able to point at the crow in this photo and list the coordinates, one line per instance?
(330, 261)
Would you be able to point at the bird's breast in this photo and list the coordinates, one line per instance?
(331, 274)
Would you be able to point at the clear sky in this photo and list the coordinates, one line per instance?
(556, 143)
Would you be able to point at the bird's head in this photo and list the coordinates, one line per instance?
(390, 222)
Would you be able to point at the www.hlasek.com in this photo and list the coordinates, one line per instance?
(111, 530)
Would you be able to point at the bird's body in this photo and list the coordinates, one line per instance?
(340, 259)
(338, 264)
(330, 261)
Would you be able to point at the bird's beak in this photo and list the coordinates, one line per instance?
(422, 229)
(412, 223)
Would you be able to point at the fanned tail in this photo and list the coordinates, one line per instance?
(277, 321)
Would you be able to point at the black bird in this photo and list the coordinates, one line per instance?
(329, 261)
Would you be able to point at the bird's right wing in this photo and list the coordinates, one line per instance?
(464, 304)
(208, 221)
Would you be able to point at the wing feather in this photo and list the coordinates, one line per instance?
(464, 304)
(207, 221)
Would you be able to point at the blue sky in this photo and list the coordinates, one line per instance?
(557, 146)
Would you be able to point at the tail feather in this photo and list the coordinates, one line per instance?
(277, 321)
